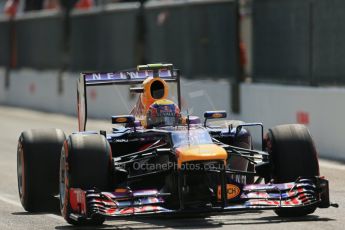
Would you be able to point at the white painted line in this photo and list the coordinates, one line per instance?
(331, 165)
(11, 202)
(17, 204)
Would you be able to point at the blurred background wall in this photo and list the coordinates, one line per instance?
(275, 61)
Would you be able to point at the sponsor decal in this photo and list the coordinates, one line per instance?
(121, 140)
(127, 75)
(217, 115)
(96, 76)
(121, 120)
(135, 75)
(232, 191)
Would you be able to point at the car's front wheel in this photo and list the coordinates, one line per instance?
(85, 163)
(293, 154)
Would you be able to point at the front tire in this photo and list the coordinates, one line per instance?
(85, 163)
(293, 154)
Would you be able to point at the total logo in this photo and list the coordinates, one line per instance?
(232, 191)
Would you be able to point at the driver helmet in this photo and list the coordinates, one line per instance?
(162, 113)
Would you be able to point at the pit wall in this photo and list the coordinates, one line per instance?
(2, 86)
(40, 90)
(321, 109)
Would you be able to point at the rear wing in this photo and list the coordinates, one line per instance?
(163, 71)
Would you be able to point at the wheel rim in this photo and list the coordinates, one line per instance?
(20, 172)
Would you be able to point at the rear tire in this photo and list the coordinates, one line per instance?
(293, 154)
(38, 156)
(85, 163)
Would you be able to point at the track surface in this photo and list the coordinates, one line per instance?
(13, 216)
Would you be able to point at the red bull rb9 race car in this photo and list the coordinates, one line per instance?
(156, 161)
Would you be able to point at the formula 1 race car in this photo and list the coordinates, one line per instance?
(159, 162)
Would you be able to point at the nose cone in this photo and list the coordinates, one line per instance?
(205, 152)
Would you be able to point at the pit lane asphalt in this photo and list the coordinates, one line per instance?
(13, 216)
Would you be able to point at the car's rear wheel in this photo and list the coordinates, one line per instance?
(293, 154)
(85, 163)
(38, 155)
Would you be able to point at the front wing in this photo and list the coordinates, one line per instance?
(124, 202)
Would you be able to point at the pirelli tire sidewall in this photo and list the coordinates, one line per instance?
(86, 164)
(293, 154)
(38, 155)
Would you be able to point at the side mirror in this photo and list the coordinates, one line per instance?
(123, 119)
(129, 120)
(214, 115)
